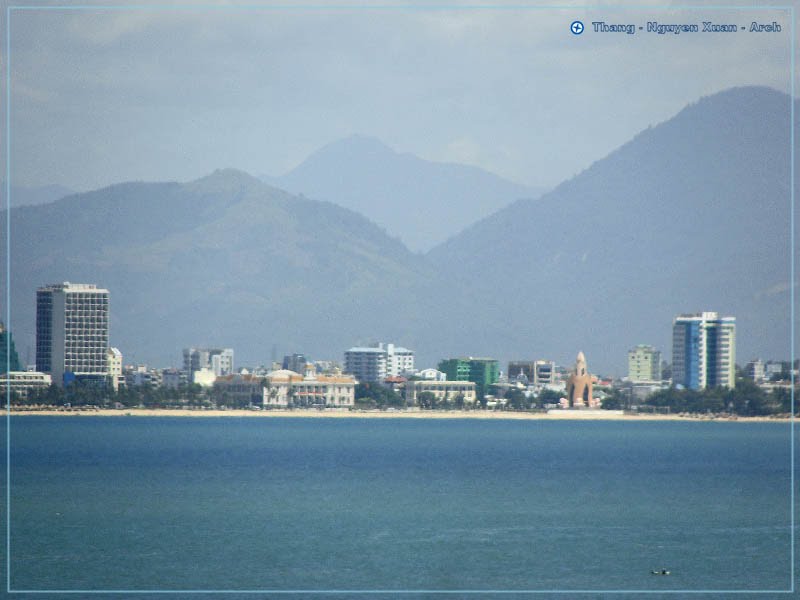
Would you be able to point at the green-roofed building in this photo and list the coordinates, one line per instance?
(9, 361)
(483, 372)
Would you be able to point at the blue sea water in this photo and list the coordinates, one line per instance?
(397, 504)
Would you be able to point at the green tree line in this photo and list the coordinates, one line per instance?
(747, 400)
(79, 394)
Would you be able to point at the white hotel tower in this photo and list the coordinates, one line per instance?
(376, 363)
(704, 351)
(72, 332)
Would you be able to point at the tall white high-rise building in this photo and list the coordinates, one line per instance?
(72, 332)
(704, 351)
(376, 363)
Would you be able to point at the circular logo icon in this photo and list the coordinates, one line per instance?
(576, 27)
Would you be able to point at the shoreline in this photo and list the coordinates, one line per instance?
(379, 414)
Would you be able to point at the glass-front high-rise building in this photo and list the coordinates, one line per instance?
(72, 332)
(9, 361)
(704, 351)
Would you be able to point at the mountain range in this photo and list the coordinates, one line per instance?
(690, 215)
(27, 196)
(421, 202)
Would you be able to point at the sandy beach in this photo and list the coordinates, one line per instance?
(389, 414)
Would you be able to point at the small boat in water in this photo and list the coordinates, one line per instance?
(659, 572)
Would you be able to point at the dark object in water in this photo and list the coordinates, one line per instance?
(660, 572)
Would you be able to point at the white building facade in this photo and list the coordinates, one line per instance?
(704, 351)
(755, 370)
(286, 388)
(22, 383)
(444, 391)
(644, 364)
(375, 363)
(72, 332)
(115, 376)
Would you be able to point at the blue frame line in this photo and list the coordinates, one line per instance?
(791, 300)
(248, 7)
(384, 592)
(8, 297)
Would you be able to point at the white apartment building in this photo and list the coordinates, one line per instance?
(376, 363)
(704, 350)
(72, 332)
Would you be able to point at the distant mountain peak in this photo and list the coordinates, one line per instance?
(641, 228)
(412, 198)
(357, 144)
(227, 175)
(225, 180)
(743, 93)
(30, 196)
(755, 99)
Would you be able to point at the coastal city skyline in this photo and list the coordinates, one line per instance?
(73, 347)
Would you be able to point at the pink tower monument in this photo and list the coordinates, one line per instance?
(579, 385)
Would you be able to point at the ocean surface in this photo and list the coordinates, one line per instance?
(397, 504)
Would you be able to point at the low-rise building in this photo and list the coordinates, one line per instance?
(431, 375)
(535, 373)
(286, 388)
(22, 383)
(639, 391)
(140, 375)
(204, 377)
(755, 370)
(173, 378)
(239, 390)
(444, 391)
(395, 383)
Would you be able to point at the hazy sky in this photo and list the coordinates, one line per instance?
(100, 96)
